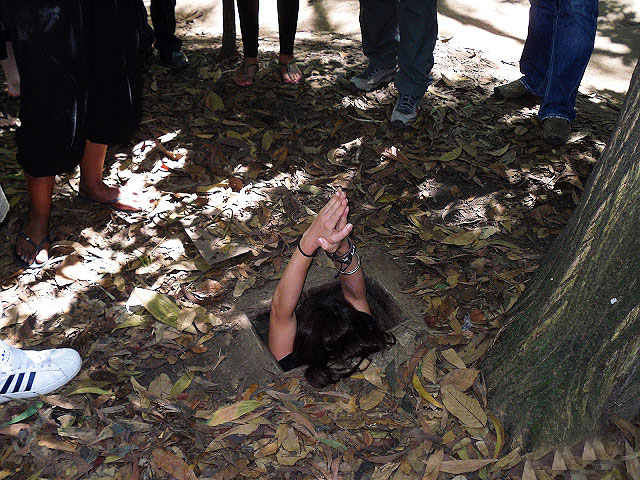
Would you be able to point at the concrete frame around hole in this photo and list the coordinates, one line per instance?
(386, 278)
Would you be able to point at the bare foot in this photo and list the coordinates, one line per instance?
(11, 73)
(36, 230)
(246, 74)
(115, 198)
(289, 71)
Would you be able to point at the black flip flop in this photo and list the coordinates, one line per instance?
(245, 68)
(288, 65)
(38, 247)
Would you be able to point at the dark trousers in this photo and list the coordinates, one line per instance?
(79, 78)
(287, 25)
(163, 16)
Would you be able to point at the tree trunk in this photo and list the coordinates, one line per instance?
(229, 48)
(569, 354)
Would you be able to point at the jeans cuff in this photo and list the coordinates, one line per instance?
(553, 115)
(532, 91)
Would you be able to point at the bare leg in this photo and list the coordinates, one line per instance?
(40, 190)
(11, 72)
(92, 184)
(289, 71)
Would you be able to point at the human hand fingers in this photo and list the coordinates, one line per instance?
(341, 234)
(342, 221)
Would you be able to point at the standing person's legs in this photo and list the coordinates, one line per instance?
(418, 32)
(536, 54)
(288, 24)
(49, 49)
(573, 42)
(248, 14)
(379, 27)
(147, 35)
(163, 16)
(114, 97)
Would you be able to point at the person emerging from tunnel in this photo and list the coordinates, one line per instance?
(333, 336)
(288, 23)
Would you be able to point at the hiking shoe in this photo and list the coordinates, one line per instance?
(556, 131)
(176, 61)
(515, 89)
(406, 110)
(29, 373)
(372, 78)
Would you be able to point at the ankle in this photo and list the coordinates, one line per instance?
(250, 60)
(286, 58)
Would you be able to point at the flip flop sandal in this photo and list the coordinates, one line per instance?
(288, 65)
(38, 247)
(109, 204)
(245, 69)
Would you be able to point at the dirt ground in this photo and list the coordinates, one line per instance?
(466, 202)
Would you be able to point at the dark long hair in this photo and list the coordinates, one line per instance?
(334, 338)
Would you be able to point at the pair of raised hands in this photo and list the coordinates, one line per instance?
(330, 227)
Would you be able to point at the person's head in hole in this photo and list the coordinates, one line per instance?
(332, 335)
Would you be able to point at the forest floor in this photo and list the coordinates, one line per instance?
(467, 200)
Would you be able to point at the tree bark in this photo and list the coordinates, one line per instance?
(569, 354)
(229, 48)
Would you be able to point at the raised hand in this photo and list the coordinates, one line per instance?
(330, 227)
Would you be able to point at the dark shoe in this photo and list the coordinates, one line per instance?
(176, 61)
(406, 110)
(556, 131)
(515, 89)
(372, 78)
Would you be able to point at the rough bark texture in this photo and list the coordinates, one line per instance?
(229, 48)
(569, 354)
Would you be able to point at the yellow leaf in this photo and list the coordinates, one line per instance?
(464, 466)
(423, 393)
(181, 385)
(94, 390)
(429, 366)
(158, 305)
(466, 237)
(497, 425)
(214, 102)
(267, 140)
(451, 356)
(231, 412)
(467, 409)
(452, 155)
(372, 399)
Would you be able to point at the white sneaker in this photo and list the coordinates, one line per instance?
(29, 373)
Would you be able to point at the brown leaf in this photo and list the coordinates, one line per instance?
(461, 378)
(172, 464)
(429, 366)
(632, 463)
(432, 469)
(467, 409)
(528, 472)
(451, 356)
(464, 466)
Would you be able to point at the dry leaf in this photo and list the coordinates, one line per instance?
(464, 466)
(172, 464)
(467, 409)
(461, 378)
(558, 462)
(423, 393)
(432, 468)
(372, 399)
(451, 356)
(497, 425)
(466, 237)
(528, 473)
(632, 463)
(429, 366)
(231, 412)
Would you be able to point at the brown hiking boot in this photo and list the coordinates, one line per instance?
(515, 89)
(556, 131)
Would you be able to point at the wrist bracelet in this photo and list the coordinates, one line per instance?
(355, 269)
(339, 258)
(304, 254)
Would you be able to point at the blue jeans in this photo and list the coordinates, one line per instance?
(557, 51)
(411, 50)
